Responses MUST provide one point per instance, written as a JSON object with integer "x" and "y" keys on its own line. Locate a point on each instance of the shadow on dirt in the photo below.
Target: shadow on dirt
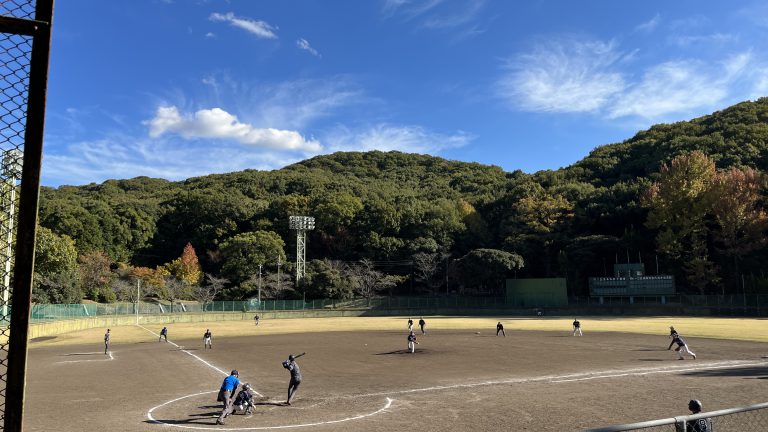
{"x": 754, "y": 372}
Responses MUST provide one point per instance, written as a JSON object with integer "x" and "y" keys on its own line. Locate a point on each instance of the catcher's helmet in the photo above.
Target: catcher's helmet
{"x": 694, "y": 405}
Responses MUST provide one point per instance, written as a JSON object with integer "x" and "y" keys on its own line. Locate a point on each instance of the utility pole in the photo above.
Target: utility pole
{"x": 11, "y": 172}
{"x": 278, "y": 273}
{"x": 138, "y": 298}
{"x": 260, "y": 284}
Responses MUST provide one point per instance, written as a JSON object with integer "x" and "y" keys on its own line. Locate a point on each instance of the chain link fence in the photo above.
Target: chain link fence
{"x": 24, "y": 51}
{"x": 753, "y": 418}
{"x": 15, "y": 61}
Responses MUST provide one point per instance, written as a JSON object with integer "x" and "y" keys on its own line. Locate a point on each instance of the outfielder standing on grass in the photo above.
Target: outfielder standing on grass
{"x": 293, "y": 368}
{"x": 207, "y": 339}
{"x": 226, "y": 391}
{"x": 576, "y": 327}
{"x": 106, "y": 342}
{"x": 682, "y": 347}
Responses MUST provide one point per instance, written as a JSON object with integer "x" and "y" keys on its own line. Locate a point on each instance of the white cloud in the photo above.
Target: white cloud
{"x": 210, "y": 35}
{"x": 709, "y": 39}
{"x": 387, "y": 137}
{"x": 563, "y": 76}
{"x": 304, "y": 44}
{"x": 680, "y": 87}
{"x": 123, "y": 157}
{"x": 296, "y": 104}
{"x": 259, "y": 28}
{"x": 218, "y": 124}
{"x": 458, "y": 15}
{"x": 650, "y": 25}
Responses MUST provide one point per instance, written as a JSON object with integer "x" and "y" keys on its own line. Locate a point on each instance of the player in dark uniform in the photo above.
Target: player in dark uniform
{"x": 295, "y": 382}
{"x": 682, "y": 347}
{"x": 244, "y": 400}
{"x": 422, "y": 323}
{"x": 672, "y": 332}
{"x": 163, "y": 334}
{"x": 698, "y": 425}
{"x": 207, "y": 343}
{"x": 106, "y": 342}
{"x": 412, "y": 341}
{"x": 576, "y": 327}
{"x": 410, "y": 324}
{"x": 256, "y": 319}
{"x": 500, "y": 328}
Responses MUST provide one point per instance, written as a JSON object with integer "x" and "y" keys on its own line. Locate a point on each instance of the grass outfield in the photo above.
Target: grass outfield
{"x": 748, "y": 329}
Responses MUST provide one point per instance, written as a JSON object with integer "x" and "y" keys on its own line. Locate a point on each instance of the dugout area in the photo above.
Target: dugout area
{"x": 462, "y": 376}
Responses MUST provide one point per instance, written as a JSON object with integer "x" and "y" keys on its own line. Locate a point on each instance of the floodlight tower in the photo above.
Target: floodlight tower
{"x": 11, "y": 173}
{"x": 301, "y": 224}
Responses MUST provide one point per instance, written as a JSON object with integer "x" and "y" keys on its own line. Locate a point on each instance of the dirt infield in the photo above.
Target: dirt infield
{"x": 356, "y": 378}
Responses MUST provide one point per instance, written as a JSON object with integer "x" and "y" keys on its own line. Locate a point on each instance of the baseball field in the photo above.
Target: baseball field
{"x": 359, "y": 376}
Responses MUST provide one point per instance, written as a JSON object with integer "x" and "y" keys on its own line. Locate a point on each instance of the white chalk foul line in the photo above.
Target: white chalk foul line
{"x": 83, "y": 361}
{"x": 219, "y": 370}
{"x": 573, "y": 377}
{"x": 327, "y": 422}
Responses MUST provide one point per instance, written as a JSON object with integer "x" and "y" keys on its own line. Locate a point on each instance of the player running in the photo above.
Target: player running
{"x": 207, "y": 339}
{"x": 576, "y": 327}
{"x": 293, "y": 368}
{"x": 422, "y": 323}
{"x": 672, "y": 331}
{"x": 682, "y": 347}
{"x": 163, "y": 334}
{"x": 106, "y": 342}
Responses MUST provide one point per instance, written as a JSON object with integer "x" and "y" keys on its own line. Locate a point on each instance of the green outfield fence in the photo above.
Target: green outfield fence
{"x": 753, "y": 418}
{"x": 746, "y": 305}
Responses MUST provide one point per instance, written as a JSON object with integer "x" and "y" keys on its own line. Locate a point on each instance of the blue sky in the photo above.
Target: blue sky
{"x": 182, "y": 88}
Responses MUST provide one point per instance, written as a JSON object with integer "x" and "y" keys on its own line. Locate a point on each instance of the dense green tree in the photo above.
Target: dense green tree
{"x": 485, "y": 270}
{"x": 679, "y": 203}
{"x": 242, "y": 254}
{"x": 56, "y": 270}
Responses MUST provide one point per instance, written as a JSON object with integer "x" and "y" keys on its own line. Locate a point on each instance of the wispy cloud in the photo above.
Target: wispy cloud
{"x": 563, "y": 75}
{"x": 649, "y": 25}
{"x": 387, "y": 137}
{"x": 218, "y": 124}
{"x": 680, "y": 87}
{"x": 256, "y": 27}
{"x": 304, "y": 45}
{"x": 461, "y": 16}
{"x": 596, "y": 77}
{"x": 709, "y": 39}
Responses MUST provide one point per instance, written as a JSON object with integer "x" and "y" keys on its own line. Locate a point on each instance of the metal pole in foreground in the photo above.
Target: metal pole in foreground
{"x": 29, "y": 194}
{"x": 12, "y": 171}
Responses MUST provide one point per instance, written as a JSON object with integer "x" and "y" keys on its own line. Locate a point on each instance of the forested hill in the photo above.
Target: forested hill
{"x": 389, "y": 206}
{"x": 735, "y": 136}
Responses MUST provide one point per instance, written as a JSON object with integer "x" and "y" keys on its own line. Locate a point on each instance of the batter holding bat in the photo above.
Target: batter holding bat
{"x": 293, "y": 368}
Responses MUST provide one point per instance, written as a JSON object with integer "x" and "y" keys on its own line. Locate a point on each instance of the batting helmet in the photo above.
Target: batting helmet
{"x": 694, "y": 405}
{"x": 291, "y": 357}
